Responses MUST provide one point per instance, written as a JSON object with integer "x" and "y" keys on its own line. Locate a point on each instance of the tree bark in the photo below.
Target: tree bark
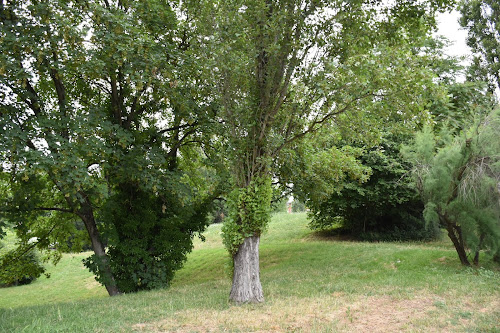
{"x": 479, "y": 246}
{"x": 246, "y": 275}
{"x": 459, "y": 247}
{"x": 87, "y": 217}
{"x": 455, "y": 234}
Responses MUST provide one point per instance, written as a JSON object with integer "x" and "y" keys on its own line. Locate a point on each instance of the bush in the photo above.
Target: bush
{"x": 298, "y": 206}
{"x": 149, "y": 237}
{"x": 279, "y": 206}
{"x": 386, "y": 207}
{"x": 15, "y": 270}
{"x": 78, "y": 239}
{"x": 218, "y": 212}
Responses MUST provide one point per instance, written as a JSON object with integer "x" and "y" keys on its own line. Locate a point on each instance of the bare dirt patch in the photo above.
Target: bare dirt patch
{"x": 336, "y": 312}
{"x": 385, "y": 314}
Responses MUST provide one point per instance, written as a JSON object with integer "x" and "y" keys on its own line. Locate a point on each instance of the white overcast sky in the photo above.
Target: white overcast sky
{"x": 449, "y": 27}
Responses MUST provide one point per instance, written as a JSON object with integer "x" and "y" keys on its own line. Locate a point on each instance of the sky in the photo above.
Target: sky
{"x": 449, "y": 27}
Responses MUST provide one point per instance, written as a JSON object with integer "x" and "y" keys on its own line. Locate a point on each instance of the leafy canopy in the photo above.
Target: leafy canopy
{"x": 482, "y": 20}
{"x": 98, "y": 97}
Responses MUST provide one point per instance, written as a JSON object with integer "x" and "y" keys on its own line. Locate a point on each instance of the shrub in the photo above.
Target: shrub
{"x": 386, "y": 207}
{"x": 149, "y": 237}
{"x": 19, "y": 270}
{"x": 218, "y": 212}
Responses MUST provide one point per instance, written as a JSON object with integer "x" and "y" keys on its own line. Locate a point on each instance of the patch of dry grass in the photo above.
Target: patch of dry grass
{"x": 338, "y": 312}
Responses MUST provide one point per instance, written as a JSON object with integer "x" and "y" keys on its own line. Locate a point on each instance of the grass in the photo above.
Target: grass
{"x": 311, "y": 284}
{"x": 8, "y": 242}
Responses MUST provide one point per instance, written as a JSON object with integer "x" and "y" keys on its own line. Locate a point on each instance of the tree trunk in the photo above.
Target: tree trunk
{"x": 496, "y": 257}
{"x": 455, "y": 234}
{"x": 459, "y": 247}
{"x": 479, "y": 246}
{"x": 246, "y": 275}
{"x": 100, "y": 252}
{"x": 476, "y": 258}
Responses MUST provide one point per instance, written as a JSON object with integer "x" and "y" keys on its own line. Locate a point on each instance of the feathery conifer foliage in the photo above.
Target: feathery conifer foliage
{"x": 460, "y": 185}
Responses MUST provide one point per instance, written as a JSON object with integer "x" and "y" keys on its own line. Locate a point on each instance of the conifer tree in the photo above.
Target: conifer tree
{"x": 459, "y": 183}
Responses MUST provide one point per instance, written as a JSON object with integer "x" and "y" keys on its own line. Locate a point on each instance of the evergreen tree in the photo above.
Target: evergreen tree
{"x": 459, "y": 183}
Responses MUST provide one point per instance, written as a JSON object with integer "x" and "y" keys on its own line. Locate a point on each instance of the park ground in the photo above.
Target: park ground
{"x": 312, "y": 283}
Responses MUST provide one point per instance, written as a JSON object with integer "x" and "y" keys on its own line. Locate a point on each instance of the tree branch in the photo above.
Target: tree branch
{"x": 32, "y": 246}
{"x": 178, "y": 127}
{"x": 133, "y": 108}
{"x": 317, "y": 123}
{"x": 54, "y": 209}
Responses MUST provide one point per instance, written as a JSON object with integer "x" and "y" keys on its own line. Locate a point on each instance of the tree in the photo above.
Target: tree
{"x": 95, "y": 100}
{"x": 285, "y": 68}
{"x": 457, "y": 103}
{"x": 482, "y": 20}
{"x": 382, "y": 204}
{"x": 46, "y": 140}
{"x": 459, "y": 185}
{"x": 4, "y": 190}
{"x": 149, "y": 235}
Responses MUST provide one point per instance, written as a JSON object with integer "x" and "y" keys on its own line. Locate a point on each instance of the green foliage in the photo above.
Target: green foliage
{"x": 317, "y": 171}
{"x": 385, "y": 207}
{"x": 149, "y": 236}
{"x": 29, "y": 207}
{"x": 298, "y": 206}
{"x": 219, "y": 211}
{"x": 459, "y": 185}
{"x": 19, "y": 267}
{"x": 78, "y": 240}
{"x": 482, "y": 20}
{"x": 249, "y": 213}
{"x": 464, "y": 102}
{"x": 287, "y": 68}
{"x": 92, "y": 95}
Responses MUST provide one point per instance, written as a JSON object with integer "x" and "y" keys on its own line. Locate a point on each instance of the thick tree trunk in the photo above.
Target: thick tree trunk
{"x": 99, "y": 250}
{"x": 246, "y": 278}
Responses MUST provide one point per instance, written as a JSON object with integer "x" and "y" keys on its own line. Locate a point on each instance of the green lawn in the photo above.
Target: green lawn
{"x": 311, "y": 284}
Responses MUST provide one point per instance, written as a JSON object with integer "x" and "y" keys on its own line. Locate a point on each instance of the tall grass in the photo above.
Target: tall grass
{"x": 310, "y": 284}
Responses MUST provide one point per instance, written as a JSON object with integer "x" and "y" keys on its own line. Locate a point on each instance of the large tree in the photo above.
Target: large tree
{"x": 285, "y": 68}
{"x": 482, "y": 20}
{"x": 385, "y": 207}
{"x": 95, "y": 102}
